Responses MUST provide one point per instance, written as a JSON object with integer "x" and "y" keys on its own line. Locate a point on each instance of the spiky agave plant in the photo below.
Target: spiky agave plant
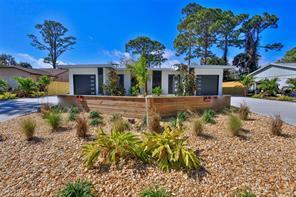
{"x": 170, "y": 150}
{"x": 110, "y": 148}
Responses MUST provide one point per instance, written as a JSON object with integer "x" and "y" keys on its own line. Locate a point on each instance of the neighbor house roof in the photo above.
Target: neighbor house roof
{"x": 290, "y": 66}
{"x": 87, "y": 66}
{"x": 28, "y": 70}
{"x": 54, "y": 72}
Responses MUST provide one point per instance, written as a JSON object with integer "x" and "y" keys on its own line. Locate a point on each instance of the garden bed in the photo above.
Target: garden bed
{"x": 257, "y": 160}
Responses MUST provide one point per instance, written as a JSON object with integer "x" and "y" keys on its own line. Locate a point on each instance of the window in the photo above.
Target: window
{"x": 156, "y": 79}
{"x": 121, "y": 81}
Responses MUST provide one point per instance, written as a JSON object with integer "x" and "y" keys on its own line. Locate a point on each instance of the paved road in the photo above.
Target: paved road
{"x": 287, "y": 110}
{"x": 18, "y": 107}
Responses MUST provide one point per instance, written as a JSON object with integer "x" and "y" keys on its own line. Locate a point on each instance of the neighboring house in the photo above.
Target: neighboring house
{"x": 88, "y": 79}
{"x": 282, "y": 71}
{"x": 8, "y": 73}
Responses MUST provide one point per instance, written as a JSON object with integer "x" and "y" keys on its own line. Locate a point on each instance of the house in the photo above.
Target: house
{"x": 282, "y": 71}
{"x": 88, "y": 79}
{"x": 8, "y": 73}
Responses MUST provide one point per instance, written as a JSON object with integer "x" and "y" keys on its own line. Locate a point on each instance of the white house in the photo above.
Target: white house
{"x": 282, "y": 71}
{"x": 88, "y": 79}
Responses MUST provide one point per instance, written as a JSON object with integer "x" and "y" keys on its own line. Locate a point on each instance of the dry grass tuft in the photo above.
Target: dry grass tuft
{"x": 154, "y": 123}
{"x": 198, "y": 127}
{"x": 81, "y": 126}
{"x": 120, "y": 125}
{"x": 28, "y": 128}
{"x": 244, "y": 111}
{"x": 234, "y": 124}
{"x": 276, "y": 125}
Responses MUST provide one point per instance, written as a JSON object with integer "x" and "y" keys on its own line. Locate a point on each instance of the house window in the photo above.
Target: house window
{"x": 156, "y": 79}
{"x": 121, "y": 81}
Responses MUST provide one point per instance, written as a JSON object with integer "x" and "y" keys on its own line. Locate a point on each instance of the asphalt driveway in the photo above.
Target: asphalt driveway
{"x": 18, "y": 107}
{"x": 287, "y": 110}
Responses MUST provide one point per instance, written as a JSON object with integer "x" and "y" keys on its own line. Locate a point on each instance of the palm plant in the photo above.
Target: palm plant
{"x": 170, "y": 149}
{"x": 112, "y": 147}
{"x": 43, "y": 83}
{"x": 270, "y": 87}
{"x": 26, "y": 86}
{"x": 292, "y": 83}
{"x": 247, "y": 80}
{"x": 3, "y": 85}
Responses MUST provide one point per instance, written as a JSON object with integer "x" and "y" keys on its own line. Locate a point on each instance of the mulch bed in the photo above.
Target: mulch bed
{"x": 257, "y": 160}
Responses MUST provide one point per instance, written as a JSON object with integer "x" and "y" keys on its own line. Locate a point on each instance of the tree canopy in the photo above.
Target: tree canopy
{"x": 7, "y": 60}
{"x": 53, "y": 40}
{"x": 289, "y": 57}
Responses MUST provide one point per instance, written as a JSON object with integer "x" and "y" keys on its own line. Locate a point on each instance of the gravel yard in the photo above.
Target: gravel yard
{"x": 264, "y": 163}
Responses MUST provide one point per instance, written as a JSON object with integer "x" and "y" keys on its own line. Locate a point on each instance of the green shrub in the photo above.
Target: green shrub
{"x": 95, "y": 114}
{"x": 95, "y": 122}
{"x": 120, "y": 125}
{"x": 37, "y": 94}
{"x": 81, "y": 127}
{"x": 258, "y": 96}
{"x": 155, "y": 192}
{"x": 244, "y": 111}
{"x": 115, "y": 117}
{"x": 198, "y": 127}
{"x": 276, "y": 125}
{"x": 245, "y": 193}
{"x": 134, "y": 91}
{"x": 28, "y": 128}
{"x": 45, "y": 110}
{"x": 3, "y": 86}
{"x": 77, "y": 189}
{"x": 169, "y": 149}
{"x": 26, "y": 86}
{"x": 157, "y": 91}
{"x": 208, "y": 116}
{"x": 179, "y": 120}
{"x": 54, "y": 119}
{"x": 73, "y": 113}
{"x": 234, "y": 124}
{"x": 154, "y": 123}
{"x": 285, "y": 98}
{"x": 110, "y": 148}
{"x": 7, "y": 95}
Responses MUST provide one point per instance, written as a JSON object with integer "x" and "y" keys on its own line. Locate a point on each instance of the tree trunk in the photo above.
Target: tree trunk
{"x": 225, "y": 54}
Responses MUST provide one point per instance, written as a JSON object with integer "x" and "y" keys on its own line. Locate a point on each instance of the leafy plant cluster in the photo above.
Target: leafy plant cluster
{"x": 112, "y": 87}
{"x": 119, "y": 124}
{"x": 179, "y": 120}
{"x": 53, "y": 115}
{"x": 155, "y": 192}
{"x": 79, "y": 188}
{"x": 157, "y": 91}
{"x": 208, "y": 116}
{"x": 96, "y": 118}
{"x": 73, "y": 113}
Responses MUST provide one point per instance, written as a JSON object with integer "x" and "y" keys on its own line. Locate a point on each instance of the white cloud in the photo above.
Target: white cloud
{"x": 36, "y": 63}
{"x": 116, "y": 54}
{"x": 171, "y": 58}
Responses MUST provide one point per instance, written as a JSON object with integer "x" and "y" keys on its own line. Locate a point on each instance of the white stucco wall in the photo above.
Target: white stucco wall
{"x": 276, "y": 72}
{"x": 165, "y": 80}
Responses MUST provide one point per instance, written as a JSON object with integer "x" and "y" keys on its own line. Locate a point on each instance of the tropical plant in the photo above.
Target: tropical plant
{"x": 198, "y": 127}
{"x": 234, "y": 124}
{"x": 179, "y": 120}
{"x": 96, "y": 121}
{"x": 154, "y": 123}
{"x": 43, "y": 83}
{"x": 7, "y": 95}
{"x": 270, "y": 87}
{"x": 54, "y": 119}
{"x": 157, "y": 91}
{"x": 73, "y": 112}
{"x": 292, "y": 83}
{"x": 110, "y": 148}
{"x": 26, "y": 86}
{"x": 276, "y": 125}
{"x": 77, "y": 189}
{"x": 37, "y": 94}
{"x": 208, "y": 116}
{"x": 28, "y": 128}
{"x": 53, "y": 41}
{"x": 3, "y": 86}
{"x": 155, "y": 192}
{"x": 247, "y": 80}
{"x": 81, "y": 126}
{"x": 243, "y": 111}
{"x": 170, "y": 150}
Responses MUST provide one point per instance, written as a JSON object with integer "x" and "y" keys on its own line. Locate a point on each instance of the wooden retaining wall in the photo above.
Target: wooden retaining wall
{"x": 135, "y": 107}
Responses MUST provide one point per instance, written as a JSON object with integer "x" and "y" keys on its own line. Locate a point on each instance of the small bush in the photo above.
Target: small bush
{"x": 134, "y": 91}
{"x": 95, "y": 114}
{"x": 95, "y": 122}
{"x": 198, "y": 127}
{"x": 7, "y": 95}
{"x": 208, "y": 116}
{"x": 244, "y": 111}
{"x": 37, "y": 94}
{"x": 285, "y": 98}
{"x": 45, "y": 110}
{"x": 77, "y": 189}
{"x": 81, "y": 126}
{"x": 245, "y": 193}
{"x": 115, "y": 117}
{"x": 155, "y": 192}
{"x": 28, "y": 128}
{"x": 157, "y": 91}
{"x": 54, "y": 119}
{"x": 179, "y": 120}
{"x": 276, "y": 125}
{"x": 154, "y": 123}
{"x": 234, "y": 124}
{"x": 73, "y": 112}
{"x": 120, "y": 125}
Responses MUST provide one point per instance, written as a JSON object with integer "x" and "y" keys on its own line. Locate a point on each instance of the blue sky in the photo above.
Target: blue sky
{"x": 102, "y": 27}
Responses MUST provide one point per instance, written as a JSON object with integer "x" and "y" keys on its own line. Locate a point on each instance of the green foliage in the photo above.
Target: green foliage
{"x": 134, "y": 91}
{"x": 179, "y": 120}
{"x": 112, "y": 87}
{"x": 54, "y": 119}
{"x": 77, "y": 189}
{"x": 151, "y": 50}
{"x": 110, "y": 148}
{"x": 157, "y": 91}
{"x": 234, "y": 124}
{"x": 289, "y": 57}
{"x": 292, "y": 83}
{"x": 95, "y": 114}
{"x": 187, "y": 85}
{"x": 3, "y": 86}
{"x": 37, "y": 94}
{"x": 43, "y": 83}
{"x": 276, "y": 125}
{"x": 244, "y": 111}
{"x": 53, "y": 40}
{"x": 73, "y": 112}
{"x": 7, "y": 60}
{"x": 208, "y": 116}
{"x": 7, "y": 95}
{"x": 96, "y": 121}
{"x": 155, "y": 192}
{"x": 120, "y": 125}
{"x": 285, "y": 98}
{"x": 270, "y": 87}
{"x": 198, "y": 127}
{"x": 28, "y": 127}
{"x": 247, "y": 80}
{"x": 170, "y": 150}
{"x": 245, "y": 193}
{"x": 258, "y": 96}
{"x": 26, "y": 86}
{"x": 115, "y": 117}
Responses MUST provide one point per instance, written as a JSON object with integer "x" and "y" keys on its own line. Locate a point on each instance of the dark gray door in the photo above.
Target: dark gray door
{"x": 84, "y": 84}
{"x": 207, "y": 84}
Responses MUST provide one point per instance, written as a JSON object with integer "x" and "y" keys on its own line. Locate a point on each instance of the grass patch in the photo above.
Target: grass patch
{"x": 28, "y": 128}
{"x": 77, "y": 189}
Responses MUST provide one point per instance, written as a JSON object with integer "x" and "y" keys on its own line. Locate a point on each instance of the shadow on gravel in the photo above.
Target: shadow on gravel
{"x": 245, "y": 130}
{"x": 63, "y": 129}
{"x": 37, "y": 140}
{"x": 198, "y": 174}
{"x": 206, "y": 136}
